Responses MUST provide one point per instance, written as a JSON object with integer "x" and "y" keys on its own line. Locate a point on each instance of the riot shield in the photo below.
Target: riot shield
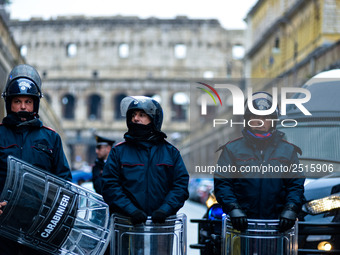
{"x": 168, "y": 238}
{"x": 261, "y": 237}
{"x": 50, "y": 214}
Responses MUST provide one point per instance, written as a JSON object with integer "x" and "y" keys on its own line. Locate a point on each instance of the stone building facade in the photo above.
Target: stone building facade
{"x": 282, "y": 35}
{"x": 89, "y": 64}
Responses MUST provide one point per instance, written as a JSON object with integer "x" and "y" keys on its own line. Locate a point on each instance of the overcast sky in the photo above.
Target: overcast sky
{"x": 230, "y": 13}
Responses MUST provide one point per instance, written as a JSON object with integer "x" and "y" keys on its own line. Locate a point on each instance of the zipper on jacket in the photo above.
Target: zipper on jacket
{"x": 147, "y": 200}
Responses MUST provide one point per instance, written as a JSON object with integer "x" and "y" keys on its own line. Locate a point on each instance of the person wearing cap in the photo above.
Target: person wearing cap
{"x": 252, "y": 195}
{"x": 144, "y": 175}
{"x": 103, "y": 148}
{"x": 23, "y": 135}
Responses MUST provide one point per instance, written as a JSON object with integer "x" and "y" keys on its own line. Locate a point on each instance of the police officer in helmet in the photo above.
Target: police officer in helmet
{"x": 144, "y": 175}
{"x": 253, "y": 195}
{"x": 23, "y": 135}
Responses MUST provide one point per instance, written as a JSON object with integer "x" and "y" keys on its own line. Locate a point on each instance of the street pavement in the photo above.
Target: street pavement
{"x": 192, "y": 210}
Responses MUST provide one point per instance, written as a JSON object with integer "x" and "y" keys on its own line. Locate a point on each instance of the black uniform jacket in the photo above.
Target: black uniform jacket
{"x": 35, "y": 144}
{"x": 261, "y": 195}
{"x": 97, "y": 171}
{"x": 145, "y": 176}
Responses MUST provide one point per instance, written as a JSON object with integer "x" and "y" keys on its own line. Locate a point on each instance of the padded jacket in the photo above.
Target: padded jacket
{"x": 35, "y": 144}
{"x": 145, "y": 176}
{"x": 260, "y": 196}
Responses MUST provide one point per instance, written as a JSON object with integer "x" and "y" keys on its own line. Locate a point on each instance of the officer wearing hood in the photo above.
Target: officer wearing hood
{"x": 253, "y": 195}
{"x": 144, "y": 175}
{"x": 23, "y": 135}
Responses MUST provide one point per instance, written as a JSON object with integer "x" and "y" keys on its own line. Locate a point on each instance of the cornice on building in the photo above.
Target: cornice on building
{"x": 116, "y": 21}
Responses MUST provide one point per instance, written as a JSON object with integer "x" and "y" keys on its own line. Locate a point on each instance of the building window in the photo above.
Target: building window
{"x": 71, "y": 50}
{"x": 238, "y": 51}
{"x": 116, "y": 106}
{"x": 276, "y": 48}
{"x": 208, "y": 75}
{"x": 123, "y": 50}
{"x": 47, "y": 98}
{"x": 229, "y": 69}
{"x": 23, "y": 50}
{"x": 296, "y": 48}
{"x": 94, "y": 110}
{"x": 180, "y": 51}
{"x": 179, "y": 103}
{"x": 68, "y": 104}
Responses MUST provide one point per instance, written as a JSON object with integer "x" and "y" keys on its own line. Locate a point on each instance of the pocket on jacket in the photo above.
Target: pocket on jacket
{"x": 133, "y": 171}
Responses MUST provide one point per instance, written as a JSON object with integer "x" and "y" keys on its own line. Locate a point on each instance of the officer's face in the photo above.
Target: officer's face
{"x": 103, "y": 151}
{"x": 22, "y": 103}
{"x": 140, "y": 117}
{"x": 259, "y": 123}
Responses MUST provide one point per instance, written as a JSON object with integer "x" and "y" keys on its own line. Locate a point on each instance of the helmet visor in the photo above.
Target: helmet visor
{"x": 138, "y": 102}
{"x": 22, "y": 86}
{"x": 262, "y": 101}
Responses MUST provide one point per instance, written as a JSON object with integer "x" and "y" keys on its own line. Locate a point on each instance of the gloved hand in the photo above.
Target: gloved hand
{"x": 2, "y": 205}
{"x": 138, "y": 217}
{"x": 287, "y": 218}
{"x": 238, "y": 219}
{"x": 158, "y": 216}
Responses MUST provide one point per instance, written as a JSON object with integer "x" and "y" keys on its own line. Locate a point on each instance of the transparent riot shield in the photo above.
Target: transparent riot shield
{"x": 261, "y": 238}
{"x": 168, "y": 238}
{"x": 50, "y": 214}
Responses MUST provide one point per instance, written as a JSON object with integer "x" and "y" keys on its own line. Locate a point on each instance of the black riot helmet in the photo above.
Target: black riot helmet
{"x": 261, "y": 101}
{"x": 149, "y": 105}
{"x": 23, "y": 80}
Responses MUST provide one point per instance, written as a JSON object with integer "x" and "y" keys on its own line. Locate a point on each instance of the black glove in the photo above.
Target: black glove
{"x": 138, "y": 217}
{"x": 287, "y": 218}
{"x": 238, "y": 219}
{"x": 158, "y": 216}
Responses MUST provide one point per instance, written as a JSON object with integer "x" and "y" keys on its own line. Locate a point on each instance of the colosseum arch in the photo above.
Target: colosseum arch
{"x": 68, "y": 106}
{"x": 116, "y": 106}
{"x": 179, "y": 106}
{"x": 94, "y": 107}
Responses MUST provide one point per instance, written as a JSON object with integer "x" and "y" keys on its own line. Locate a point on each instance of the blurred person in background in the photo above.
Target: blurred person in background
{"x": 103, "y": 148}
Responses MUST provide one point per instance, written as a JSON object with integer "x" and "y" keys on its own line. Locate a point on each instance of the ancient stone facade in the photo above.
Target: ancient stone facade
{"x": 89, "y": 64}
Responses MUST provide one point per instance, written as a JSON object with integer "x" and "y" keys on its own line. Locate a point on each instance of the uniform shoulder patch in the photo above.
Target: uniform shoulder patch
{"x": 167, "y": 142}
{"x": 49, "y": 129}
{"x": 297, "y": 148}
{"x": 119, "y": 143}
{"x": 221, "y": 147}
{"x": 239, "y": 138}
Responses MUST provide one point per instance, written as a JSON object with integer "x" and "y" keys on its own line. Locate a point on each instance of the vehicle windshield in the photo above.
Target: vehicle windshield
{"x": 318, "y": 142}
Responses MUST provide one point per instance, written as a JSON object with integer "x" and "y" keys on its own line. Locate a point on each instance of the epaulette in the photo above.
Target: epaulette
{"x": 297, "y": 148}
{"x": 49, "y": 129}
{"x": 221, "y": 147}
{"x": 119, "y": 143}
{"x": 166, "y": 141}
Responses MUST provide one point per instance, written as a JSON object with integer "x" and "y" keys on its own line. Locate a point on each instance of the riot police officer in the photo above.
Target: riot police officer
{"x": 23, "y": 135}
{"x": 144, "y": 175}
{"x": 103, "y": 148}
{"x": 253, "y": 195}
